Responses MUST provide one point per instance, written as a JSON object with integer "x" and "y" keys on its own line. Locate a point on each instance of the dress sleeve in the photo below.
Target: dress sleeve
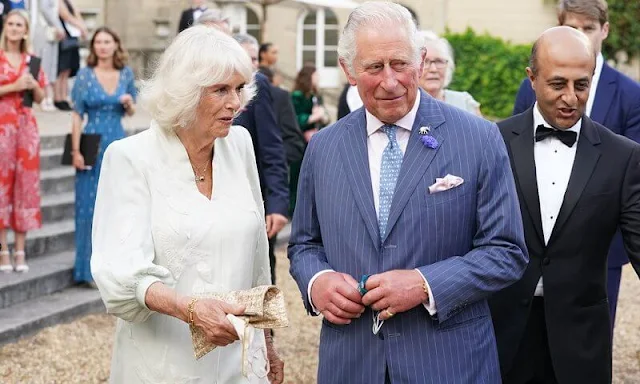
{"x": 131, "y": 83}
{"x": 261, "y": 267}
{"x": 123, "y": 256}
{"x": 472, "y": 103}
{"x": 79, "y": 92}
{"x": 42, "y": 79}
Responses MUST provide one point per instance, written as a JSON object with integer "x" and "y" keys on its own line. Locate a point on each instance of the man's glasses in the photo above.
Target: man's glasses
{"x": 439, "y": 63}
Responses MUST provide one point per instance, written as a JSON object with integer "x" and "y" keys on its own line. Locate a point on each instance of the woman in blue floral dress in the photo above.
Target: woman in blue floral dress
{"x": 104, "y": 91}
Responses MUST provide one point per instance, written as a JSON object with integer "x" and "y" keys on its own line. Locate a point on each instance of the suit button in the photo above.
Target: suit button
{"x": 525, "y": 302}
{"x": 546, "y": 261}
{"x": 380, "y": 335}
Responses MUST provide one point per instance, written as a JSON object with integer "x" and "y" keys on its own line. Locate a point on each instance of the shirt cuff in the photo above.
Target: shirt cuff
{"x": 141, "y": 289}
{"x": 313, "y": 279}
{"x": 430, "y": 305}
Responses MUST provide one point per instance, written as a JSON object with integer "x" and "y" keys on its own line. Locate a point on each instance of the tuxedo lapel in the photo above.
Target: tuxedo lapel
{"x": 521, "y": 146}
{"x": 606, "y": 88}
{"x": 356, "y": 161}
{"x": 587, "y": 155}
{"x": 417, "y": 157}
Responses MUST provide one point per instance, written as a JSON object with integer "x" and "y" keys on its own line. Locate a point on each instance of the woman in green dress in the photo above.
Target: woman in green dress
{"x": 312, "y": 116}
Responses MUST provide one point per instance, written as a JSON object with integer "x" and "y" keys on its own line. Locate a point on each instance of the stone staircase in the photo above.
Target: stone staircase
{"x": 47, "y": 295}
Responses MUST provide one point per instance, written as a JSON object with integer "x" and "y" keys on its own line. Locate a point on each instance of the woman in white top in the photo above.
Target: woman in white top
{"x": 438, "y": 73}
{"x": 179, "y": 213}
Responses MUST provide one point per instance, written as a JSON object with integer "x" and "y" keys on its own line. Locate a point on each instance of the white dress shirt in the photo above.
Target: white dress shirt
{"x": 353, "y": 98}
{"x": 554, "y": 161}
{"x": 377, "y": 141}
{"x": 594, "y": 83}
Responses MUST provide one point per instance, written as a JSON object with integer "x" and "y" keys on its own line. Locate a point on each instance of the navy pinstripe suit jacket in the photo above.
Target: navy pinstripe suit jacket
{"x": 467, "y": 241}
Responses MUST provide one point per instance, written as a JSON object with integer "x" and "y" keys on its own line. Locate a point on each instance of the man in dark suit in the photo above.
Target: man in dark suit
{"x": 553, "y": 326}
{"x": 191, "y": 14}
{"x": 614, "y": 101}
{"x": 292, "y": 137}
{"x": 260, "y": 120}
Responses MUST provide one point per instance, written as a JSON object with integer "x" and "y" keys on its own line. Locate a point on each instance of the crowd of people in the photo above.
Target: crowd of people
{"x": 437, "y": 245}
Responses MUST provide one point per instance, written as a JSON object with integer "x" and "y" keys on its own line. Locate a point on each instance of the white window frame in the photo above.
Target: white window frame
{"x": 329, "y": 77}
{"x": 250, "y": 28}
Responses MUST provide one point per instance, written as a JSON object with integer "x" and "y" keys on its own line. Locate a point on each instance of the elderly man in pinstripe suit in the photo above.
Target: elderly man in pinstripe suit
{"x": 416, "y": 195}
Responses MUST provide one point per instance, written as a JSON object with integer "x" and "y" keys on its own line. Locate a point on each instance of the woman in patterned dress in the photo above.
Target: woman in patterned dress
{"x": 104, "y": 91}
{"x": 19, "y": 141}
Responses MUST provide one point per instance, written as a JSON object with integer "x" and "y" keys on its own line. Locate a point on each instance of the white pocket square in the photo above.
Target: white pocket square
{"x": 445, "y": 183}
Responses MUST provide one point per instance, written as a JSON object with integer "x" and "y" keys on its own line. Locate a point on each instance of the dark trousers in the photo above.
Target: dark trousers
{"x": 532, "y": 364}
{"x": 272, "y": 258}
{"x": 613, "y": 288}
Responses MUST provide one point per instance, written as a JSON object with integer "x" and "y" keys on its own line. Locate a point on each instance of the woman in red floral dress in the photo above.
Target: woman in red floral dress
{"x": 19, "y": 141}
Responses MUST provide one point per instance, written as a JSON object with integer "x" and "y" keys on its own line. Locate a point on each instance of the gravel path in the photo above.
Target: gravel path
{"x": 80, "y": 352}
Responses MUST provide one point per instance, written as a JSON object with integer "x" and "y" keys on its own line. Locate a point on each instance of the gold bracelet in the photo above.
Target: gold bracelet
{"x": 190, "y": 308}
{"x": 426, "y": 290}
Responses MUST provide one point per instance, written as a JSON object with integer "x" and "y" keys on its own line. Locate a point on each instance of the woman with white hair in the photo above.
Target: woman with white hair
{"x": 438, "y": 73}
{"x": 179, "y": 214}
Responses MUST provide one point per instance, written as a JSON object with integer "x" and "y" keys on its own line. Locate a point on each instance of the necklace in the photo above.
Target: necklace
{"x": 200, "y": 178}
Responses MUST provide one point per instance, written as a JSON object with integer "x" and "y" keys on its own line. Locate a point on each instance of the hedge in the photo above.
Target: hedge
{"x": 490, "y": 69}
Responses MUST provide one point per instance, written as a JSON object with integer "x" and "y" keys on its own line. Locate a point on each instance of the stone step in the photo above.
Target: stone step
{"x": 58, "y": 207}
{"x": 50, "y": 158}
{"x": 50, "y": 239}
{"x": 57, "y": 180}
{"x": 28, "y": 317}
{"x": 54, "y": 141}
{"x": 47, "y": 275}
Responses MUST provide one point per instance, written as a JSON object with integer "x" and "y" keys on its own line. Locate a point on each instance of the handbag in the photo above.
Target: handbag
{"x": 264, "y": 309}
{"x": 89, "y": 148}
{"x": 69, "y": 42}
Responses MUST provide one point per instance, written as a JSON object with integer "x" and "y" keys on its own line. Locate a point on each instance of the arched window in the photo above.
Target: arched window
{"x": 318, "y": 44}
{"x": 253, "y": 23}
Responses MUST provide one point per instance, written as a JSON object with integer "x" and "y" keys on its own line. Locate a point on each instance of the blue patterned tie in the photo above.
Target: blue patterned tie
{"x": 389, "y": 170}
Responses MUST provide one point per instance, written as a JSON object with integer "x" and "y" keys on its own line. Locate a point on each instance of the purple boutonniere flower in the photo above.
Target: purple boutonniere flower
{"x": 426, "y": 139}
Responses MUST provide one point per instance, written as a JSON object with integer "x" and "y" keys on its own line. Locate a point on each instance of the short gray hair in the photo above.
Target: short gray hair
{"x": 430, "y": 39}
{"x": 211, "y": 16}
{"x": 246, "y": 39}
{"x": 376, "y": 14}
{"x": 189, "y": 65}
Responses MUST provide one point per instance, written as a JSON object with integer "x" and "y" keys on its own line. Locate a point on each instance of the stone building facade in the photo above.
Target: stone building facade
{"x": 308, "y": 33}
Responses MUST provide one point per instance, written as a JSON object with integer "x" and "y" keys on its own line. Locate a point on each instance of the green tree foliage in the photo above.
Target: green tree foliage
{"x": 490, "y": 69}
{"x": 624, "y": 32}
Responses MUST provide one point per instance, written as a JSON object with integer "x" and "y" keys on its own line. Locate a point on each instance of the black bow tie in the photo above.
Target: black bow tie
{"x": 568, "y": 138}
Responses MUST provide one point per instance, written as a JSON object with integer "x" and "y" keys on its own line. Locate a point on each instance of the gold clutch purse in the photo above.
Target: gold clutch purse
{"x": 264, "y": 309}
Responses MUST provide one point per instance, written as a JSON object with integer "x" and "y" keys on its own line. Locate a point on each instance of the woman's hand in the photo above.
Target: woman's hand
{"x": 126, "y": 100}
{"x": 26, "y": 81}
{"x": 210, "y": 315}
{"x": 276, "y": 364}
{"x": 78, "y": 161}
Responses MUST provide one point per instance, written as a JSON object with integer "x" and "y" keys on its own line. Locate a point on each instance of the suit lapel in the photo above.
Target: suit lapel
{"x": 417, "y": 157}
{"x": 355, "y": 154}
{"x": 587, "y": 155}
{"x": 606, "y": 88}
{"x": 521, "y": 146}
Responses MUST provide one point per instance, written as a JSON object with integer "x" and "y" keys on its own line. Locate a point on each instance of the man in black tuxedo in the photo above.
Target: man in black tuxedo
{"x": 614, "y": 101}
{"x": 191, "y": 14}
{"x": 577, "y": 183}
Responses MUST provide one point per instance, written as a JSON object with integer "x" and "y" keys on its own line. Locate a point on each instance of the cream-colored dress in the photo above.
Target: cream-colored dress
{"x": 152, "y": 224}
